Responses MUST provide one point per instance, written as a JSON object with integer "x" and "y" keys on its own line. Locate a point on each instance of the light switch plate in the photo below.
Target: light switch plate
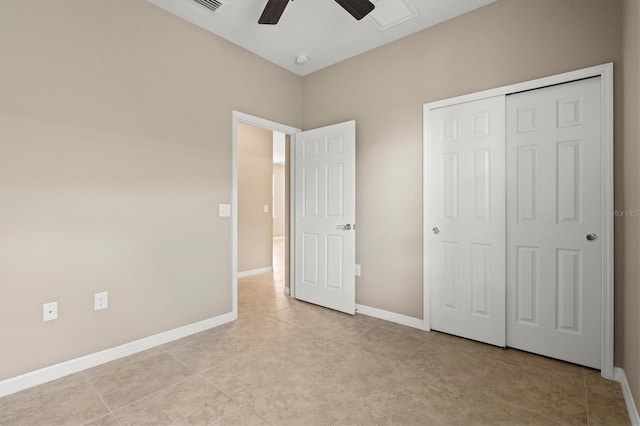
{"x": 357, "y": 269}
{"x": 224, "y": 210}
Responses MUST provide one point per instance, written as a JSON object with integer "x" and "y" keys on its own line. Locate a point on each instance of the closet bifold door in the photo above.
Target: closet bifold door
{"x": 554, "y": 215}
{"x": 466, "y": 226}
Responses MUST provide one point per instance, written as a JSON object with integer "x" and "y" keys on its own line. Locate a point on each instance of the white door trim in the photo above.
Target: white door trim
{"x": 240, "y": 117}
{"x": 605, "y": 72}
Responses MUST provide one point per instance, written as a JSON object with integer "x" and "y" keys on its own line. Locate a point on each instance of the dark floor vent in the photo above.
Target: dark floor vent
{"x": 212, "y": 5}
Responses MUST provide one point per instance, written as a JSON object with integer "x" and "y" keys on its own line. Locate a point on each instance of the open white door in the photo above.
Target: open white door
{"x": 325, "y": 211}
{"x": 466, "y": 215}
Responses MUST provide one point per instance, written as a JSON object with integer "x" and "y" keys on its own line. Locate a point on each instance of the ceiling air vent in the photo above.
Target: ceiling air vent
{"x": 212, "y": 5}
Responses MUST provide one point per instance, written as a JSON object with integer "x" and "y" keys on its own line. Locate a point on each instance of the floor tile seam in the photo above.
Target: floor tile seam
{"x": 396, "y": 361}
{"x": 287, "y": 364}
{"x": 229, "y": 333}
{"x": 115, "y": 411}
{"x": 416, "y": 351}
{"x": 297, "y": 326}
{"x": 88, "y": 381}
{"x": 242, "y": 404}
{"x": 313, "y": 333}
{"x": 192, "y": 339}
{"x": 178, "y": 359}
{"x": 549, "y": 416}
{"x": 201, "y": 372}
{"x": 40, "y": 393}
{"x": 531, "y": 410}
{"x": 209, "y": 367}
{"x": 539, "y": 372}
{"x": 357, "y": 334}
{"x": 323, "y": 337}
{"x": 124, "y": 361}
{"x": 586, "y": 396}
{"x": 282, "y": 309}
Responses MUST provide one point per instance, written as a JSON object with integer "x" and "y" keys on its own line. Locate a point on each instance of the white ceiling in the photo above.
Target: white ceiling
{"x": 320, "y": 29}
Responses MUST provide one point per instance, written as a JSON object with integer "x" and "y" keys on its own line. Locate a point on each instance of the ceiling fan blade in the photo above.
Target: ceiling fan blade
{"x": 357, "y": 8}
{"x": 272, "y": 12}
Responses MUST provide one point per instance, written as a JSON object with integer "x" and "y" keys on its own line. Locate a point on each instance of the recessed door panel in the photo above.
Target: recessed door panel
{"x": 311, "y": 259}
{"x": 480, "y": 278}
{"x": 450, "y": 282}
{"x": 568, "y": 181}
{"x": 310, "y": 194}
{"x": 527, "y": 117}
{"x": 568, "y": 287}
{"x": 334, "y": 262}
{"x": 526, "y": 178}
{"x": 450, "y": 185}
{"x": 335, "y": 191}
{"x": 481, "y": 184}
{"x": 526, "y": 285}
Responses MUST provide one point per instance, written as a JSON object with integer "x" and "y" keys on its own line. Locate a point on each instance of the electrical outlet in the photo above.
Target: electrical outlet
{"x": 266, "y": 208}
{"x": 357, "y": 269}
{"x": 101, "y": 301}
{"x": 224, "y": 210}
{"x": 50, "y": 311}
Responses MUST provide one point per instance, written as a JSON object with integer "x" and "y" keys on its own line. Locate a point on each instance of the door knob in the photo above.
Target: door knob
{"x": 346, "y": 227}
{"x": 592, "y": 237}
{"x": 435, "y": 230}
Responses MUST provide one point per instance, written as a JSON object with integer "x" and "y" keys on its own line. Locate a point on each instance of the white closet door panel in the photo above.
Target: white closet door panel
{"x": 467, "y": 214}
{"x": 553, "y": 202}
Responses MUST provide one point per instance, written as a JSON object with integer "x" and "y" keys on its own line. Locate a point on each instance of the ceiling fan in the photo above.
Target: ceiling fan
{"x": 274, "y": 9}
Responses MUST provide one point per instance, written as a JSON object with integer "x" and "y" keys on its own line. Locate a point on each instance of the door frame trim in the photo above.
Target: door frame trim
{"x": 237, "y": 118}
{"x": 605, "y": 72}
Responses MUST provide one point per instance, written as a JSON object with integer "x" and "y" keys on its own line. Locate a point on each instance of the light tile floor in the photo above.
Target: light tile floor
{"x": 288, "y": 362}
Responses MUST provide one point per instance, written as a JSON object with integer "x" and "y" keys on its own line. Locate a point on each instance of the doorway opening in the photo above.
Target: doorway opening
{"x": 253, "y": 201}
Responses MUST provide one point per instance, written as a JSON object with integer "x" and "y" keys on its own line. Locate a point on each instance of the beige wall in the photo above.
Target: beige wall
{"x": 115, "y": 151}
{"x": 628, "y": 198}
{"x": 278, "y": 200}
{"x": 255, "y": 171}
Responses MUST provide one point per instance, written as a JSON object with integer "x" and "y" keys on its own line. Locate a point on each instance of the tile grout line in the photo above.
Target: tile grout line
{"x": 150, "y": 395}
{"x": 586, "y": 396}
{"x": 313, "y": 332}
{"x": 178, "y": 359}
{"x": 88, "y": 380}
{"x": 232, "y": 398}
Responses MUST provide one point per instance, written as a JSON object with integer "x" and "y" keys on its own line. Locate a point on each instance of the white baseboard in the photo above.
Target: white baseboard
{"x": 56, "y": 371}
{"x": 619, "y": 376}
{"x": 390, "y": 316}
{"x": 255, "y": 272}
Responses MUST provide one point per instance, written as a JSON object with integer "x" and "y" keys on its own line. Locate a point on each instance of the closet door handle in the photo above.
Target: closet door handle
{"x": 436, "y": 230}
{"x": 592, "y": 237}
